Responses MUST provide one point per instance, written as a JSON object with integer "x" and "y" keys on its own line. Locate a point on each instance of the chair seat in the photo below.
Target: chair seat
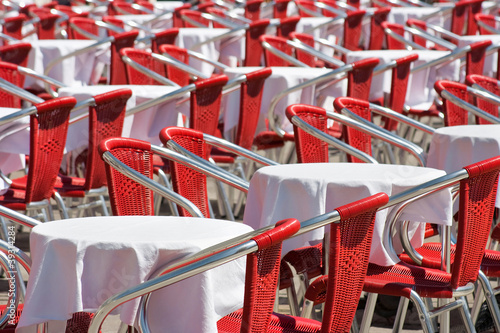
{"x": 402, "y": 278}
{"x": 14, "y": 199}
{"x": 70, "y": 186}
{"x": 278, "y": 323}
{"x": 270, "y": 139}
{"x": 431, "y": 252}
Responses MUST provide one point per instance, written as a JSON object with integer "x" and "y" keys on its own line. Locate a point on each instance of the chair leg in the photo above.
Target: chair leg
{"x": 490, "y": 300}
{"x": 423, "y": 314}
{"x": 469, "y": 325}
{"x": 400, "y": 314}
{"x": 371, "y": 301}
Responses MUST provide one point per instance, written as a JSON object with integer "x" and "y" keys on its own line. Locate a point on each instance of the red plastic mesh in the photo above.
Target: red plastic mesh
{"x": 253, "y": 48}
{"x": 280, "y": 44}
{"x": 9, "y": 72}
{"x": 145, "y": 59}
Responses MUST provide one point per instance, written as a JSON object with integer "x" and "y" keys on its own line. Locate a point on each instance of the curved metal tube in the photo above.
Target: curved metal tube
{"x": 8, "y": 38}
{"x": 488, "y": 28}
{"x": 146, "y": 71}
{"x": 386, "y": 112}
{"x": 171, "y": 95}
{"x": 339, "y": 144}
{"x": 367, "y": 127}
{"x": 18, "y": 217}
{"x": 456, "y": 53}
{"x": 47, "y": 80}
{"x": 12, "y": 89}
{"x": 201, "y": 57}
{"x": 469, "y": 107}
{"x": 283, "y": 55}
{"x": 306, "y": 48}
{"x": 169, "y": 60}
{"x": 18, "y": 115}
{"x": 403, "y": 40}
{"x": 124, "y": 169}
{"x": 482, "y": 93}
{"x": 181, "y": 155}
{"x": 436, "y": 40}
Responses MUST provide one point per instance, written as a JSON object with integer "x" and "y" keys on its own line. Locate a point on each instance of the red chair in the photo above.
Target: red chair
{"x": 127, "y": 8}
{"x": 376, "y": 28}
{"x": 117, "y": 68}
{"x": 287, "y": 26}
{"x": 275, "y": 43}
{"x": 353, "y": 29}
{"x": 84, "y": 23}
{"x": 253, "y": 48}
{"x": 252, "y": 9}
{"x": 115, "y": 22}
{"x": 489, "y": 84}
{"x": 10, "y": 73}
{"x": 143, "y": 58}
{"x": 166, "y": 36}
{"x": 48, "y": 131}
{"x": 175, "y": 74}
{"x": 486, "y": 24}
{"x": 106, "y": 117}
{"x": 194, "y": 19}
{"x": 176, "y": 15}
{"x": 280, "y": 9}
{"x": 349, "y": 251}
{"x": 47, "y": 24}
{"x": 13, "y": 26}
{"x": 307, "y": 8}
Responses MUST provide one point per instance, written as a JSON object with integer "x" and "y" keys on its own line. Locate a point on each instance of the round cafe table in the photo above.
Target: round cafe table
{"x": 79, "y": 263}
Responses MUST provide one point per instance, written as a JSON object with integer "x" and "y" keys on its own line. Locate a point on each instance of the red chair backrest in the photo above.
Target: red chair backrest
{"x": 179, "y": 76}
{"x": 115, "y": 21}
{"x": 252, "y": 9}
{"x": 9, "y": 72}
{"x": 46, "y": 28}
{"x": 195, "y": 16}
{"x": 302, "y": 56}
{"x": 474, "y": 63}
{"x": 489, "y": 84}
{"x": 287, "y": 25}
{"x": 392, "y": 43}
{"x": 352, "y": 29}
{"x": 486, "y": 19}
{"x": 166, "y": 36}
{"x": 253, "y": 48}
{"x": 376, "y": 28}
{"x": 117, "y": 67}
{"x": 16, "y": 53}
{"x": 360, "y": 78}
{"x": 279, "y": 43}
{"x": 177, "y": 20}
{"x": 453, "y": 114}
{"x": 145, "y": 59}
{"x": 280, "y": 8}
{"x": 48, "y": 132}
{"x": 13, "y": 26}
{"x": 83, "y": 23}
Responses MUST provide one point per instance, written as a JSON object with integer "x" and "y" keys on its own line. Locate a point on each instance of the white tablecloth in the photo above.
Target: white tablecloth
{"x": 81, "y": 70}
{"x": 14, "y": 142}
{"x": 145, "y": 125}
{"x": 401, "y": 14}
{"x": 79, "y": 263}
{"x": 454, "y": 147}
{"x": 420, "y": 93}
{"x": 281, "y": 79}
{"x": 304, "y": 191}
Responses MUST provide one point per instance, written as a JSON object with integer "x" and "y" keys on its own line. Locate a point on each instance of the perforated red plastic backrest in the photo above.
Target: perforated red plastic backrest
{"x": 145, "y": 59}
{"x": 458, "y": 16}
{"x": 352, "y": 136}
{"x": 117, "y": 67}
{"x": 105, "y": 121}
{"x": 287, "y": 25}
{"x": 393, "y": 43}
{"x": 126, "y": 196}
{"x": 250, "y": 102}
{"x": 179, "y": 76}
{"x": 376, "y": 29}
{"x": 352, "y": 29}
{"x": 302, "y": 56}
{"x": 48, "y": 131}
{"x": 115, "y": 21}
{"x": 327, "y": 13}
{"x": 489, "y": 84}
{"x": 475, "y": 7}
{"x": 360, "y": 78}
{"x": 399, "y": 86}
{"x": 253, "y": 48}
{"x": 261, "y": 277}
{"x": 280, "y": 8}
{"x": 46, "y": 28}
{"x": 9, "y": 72}
{"x": 486, "y": 19}
{"x": 476, "y": 206}
{"x": 166, "y": 36}
{"x": 308, "y": 5}
{"x": 83, "y": 23}
{"x": 13, "y": 26}
{"x": 205, "y": 104}
{"x": 177, "y": 20}
{"x": 217, "y": 12}
{"x": 15, "y": 53}
{"x": 475, "y": 57}
{"x": 280, "y": 44}
{"x": 187, "y": 182}
{"x": 420, "y": 25}
{"x": 309, "y": 149}
{"x": 252, "y": 9}
{"x": 350, "y": 243}
{"x": 194, "y": 16}
{"x": 453, "y": 114}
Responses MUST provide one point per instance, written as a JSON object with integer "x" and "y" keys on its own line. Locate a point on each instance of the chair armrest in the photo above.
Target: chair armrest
{"x": 469, "y": 107}
{"x": 146, "y": 71}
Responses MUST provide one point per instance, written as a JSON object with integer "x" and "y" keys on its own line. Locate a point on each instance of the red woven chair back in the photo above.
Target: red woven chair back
{"x": 217, "y": 12}
{"x": 145, "y": 59}
{"x": 253, "y": 48}
{"x": 353, "y": 29}
{"x": 205, "y": 104}
{"x": 399, "y": 86}
{"x": 376, "y": 29}
{"x": 195, "y": 16}
{"x": 304, "y": 5}
{"x": 179, "y": 76}
{"x": 126, "y": 196}
{"x": 453, "y": 114}
{"x": 125, "y": 8}
{"x": 421, "y": 25}
{"x": 105, "y": 121}
{"x": 392, "y": 43}
{"x": 489, "y": 84}
{"x": 486, "y": 19}
{"x": 351, "y": 136}
{"x": 250, "y": 102}
{"x": 166, "y": 36}
{"x": 252, "y": 9}
{"x": 10, "y": 73}
{"x": 280, "y": 44}
{"x": 309, "y": 149}
{"x": 177, "y": 20}
{"x": 302, "y": 56}
{"x": 48, "y": 132}
{"x": 287, "y": 25}
{"x": 359, "y": 79}
{"x": 477, "y": 197}
{"x": 475, "y": 7}
{"x": 475, "y": 57}
{"x": 280, "y": 9}
{"x": 350, "y": 243}
{"x": 458, "y": 17}
{"x": 117, "y": 67}
{"x": 15, "y": 53}
{"x": 84, "y": 23}
{"x": 187, "y": 182}
{"x": 46, "y": 28}
{"x": 325, "y": 12}
{"x": 13, "y": 26}
{"x": 115, "y": 21}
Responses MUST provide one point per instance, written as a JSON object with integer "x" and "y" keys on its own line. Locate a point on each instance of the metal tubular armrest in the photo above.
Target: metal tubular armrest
{"x": 167, "y": 59}
{"x": 12, "y": 89}
{"x": 221, "y": 143}
{"x": 13, "y": 297}
{"x": 109, "y": 26}
{"x": 306, "y": 48}
{"x": 283, "y": 55}
{"x": 174, "y": 94}
{"x": 81, "y": 105}
{"x": 331, "y": 77}
{"x": 324, "y": 24}
{"x": 19, "y": 255}
{"x": 436, "y": 40}
{"x": 469, "y": 107}
{"x": 334, "y": 46}
{"x": 454, "y": 54}
{"x": 181, "y": 155}
{"x": 409, "y": 44}
{"x": 352, "y": 120}
{"x": 146, "y": 71}
{"x": 18, "y": 115}
{"x": 201, "y": 57}
{"x": 8, "y": 38}
{"x": 47, "y": 80}
{"x": 443, "y": 31}
{"x": 339, "y": 144}
{"x": 386, "y": 112}
{"x": 483, "y": 93}
{"x": 221, "y": 20}
{"x": 488, "y": 27}
{"x": 18, "y": 217}
{"x": 150, "y": 184}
